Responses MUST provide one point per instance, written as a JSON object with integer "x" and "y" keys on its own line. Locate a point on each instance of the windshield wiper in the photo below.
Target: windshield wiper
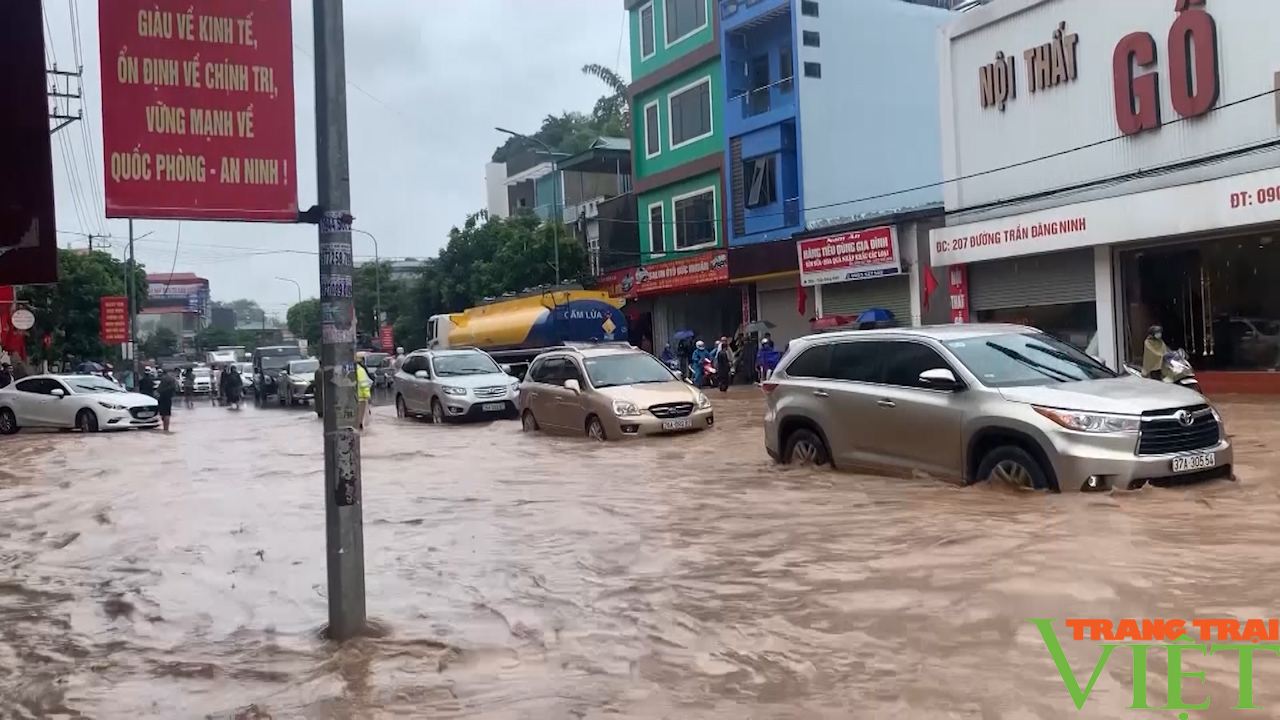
{"x": 1091, "y": 364}
{"x": 1041, "y": 368}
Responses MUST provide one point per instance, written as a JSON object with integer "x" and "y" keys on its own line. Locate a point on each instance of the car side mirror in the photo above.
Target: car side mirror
{"x": 573, "y": 385}
{"x": 940, "y": 379}
{"x": 506, "y": 369}
{"x": 679, "y": 375}
{"x": 58, "y": 393}
{"x": 422, "y": 375}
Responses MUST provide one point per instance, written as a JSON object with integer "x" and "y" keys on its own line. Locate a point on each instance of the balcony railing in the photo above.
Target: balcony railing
{"x": 763, "y": 99}
{"x": 729, "y": 8}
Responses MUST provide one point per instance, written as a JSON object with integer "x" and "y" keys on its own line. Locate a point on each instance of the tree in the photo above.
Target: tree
{"x": 303, "y": 320}
{"x": 69, "y": 311}
{"x": 613, "y": 108}
{"x": 569, "y": 133}
{"x": 162, "y": 342}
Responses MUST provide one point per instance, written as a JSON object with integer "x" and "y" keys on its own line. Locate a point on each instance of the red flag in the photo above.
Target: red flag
{"x": 802, "y": 298}
{"x": 930, "y": 285}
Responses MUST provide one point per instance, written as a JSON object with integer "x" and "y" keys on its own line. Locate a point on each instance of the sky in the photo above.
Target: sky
{"x": 428, "y": 80}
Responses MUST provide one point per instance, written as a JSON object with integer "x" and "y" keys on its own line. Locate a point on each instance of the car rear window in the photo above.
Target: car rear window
{"x": 813, "y": 362}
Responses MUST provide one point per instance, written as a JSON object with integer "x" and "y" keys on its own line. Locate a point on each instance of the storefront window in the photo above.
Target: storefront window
{"x": 1217, "y": 299}
{"x": 1075, "y": 323}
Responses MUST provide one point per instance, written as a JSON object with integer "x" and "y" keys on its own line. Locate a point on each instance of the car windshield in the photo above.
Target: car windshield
{"x": 468, "y": 364}
{"x": 626, "y": 369}
{"x": 302, "y": 367}
{"x": 1017, "y": 359}
{"x": 274, "y": 364}
{"x": 373, "y": 360}
{"x": 81, "y": 385}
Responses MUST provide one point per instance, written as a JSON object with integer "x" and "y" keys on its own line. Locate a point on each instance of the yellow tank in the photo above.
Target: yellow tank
{"x": 538, "y": 321}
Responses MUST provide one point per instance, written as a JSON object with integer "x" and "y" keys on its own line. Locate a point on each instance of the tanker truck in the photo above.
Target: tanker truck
{"x": 514, "y": 330}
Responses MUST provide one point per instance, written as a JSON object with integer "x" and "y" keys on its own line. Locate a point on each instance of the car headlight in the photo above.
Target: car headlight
{"x": 625, "y": 408}
{"x": 110, "y": 406}
{"x": 1092, "y": 422}
{"x": 1222, "y": 424}
{"x": 454, "y": 391}
{"x": 703, "y": 401}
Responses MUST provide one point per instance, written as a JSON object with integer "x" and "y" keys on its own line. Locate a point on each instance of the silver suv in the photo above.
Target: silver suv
{"x": 454, "y": 385}
{"x": 972, "y": 402}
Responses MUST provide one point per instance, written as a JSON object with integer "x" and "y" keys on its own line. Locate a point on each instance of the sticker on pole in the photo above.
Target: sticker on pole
{"x": 334, "y": 221}
{"x": 347, "y": 491}
{"x": 198, "y": 109}
{"x": 23, "y": 319}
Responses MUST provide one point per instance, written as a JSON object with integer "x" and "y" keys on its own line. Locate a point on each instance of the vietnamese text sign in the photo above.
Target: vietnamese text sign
{"x": 694, "y": 271}
{"x": 849, "y": 256}
{"x": 388, "y": 337}
{"x": 1235, "y": 201}
{"x": 197, "y": 109}
{"x": 113, "y": 319}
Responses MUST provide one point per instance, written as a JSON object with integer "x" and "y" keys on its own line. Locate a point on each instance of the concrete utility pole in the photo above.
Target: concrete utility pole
{"x": 344, "y": 524}
{"x": 131, "y": 291}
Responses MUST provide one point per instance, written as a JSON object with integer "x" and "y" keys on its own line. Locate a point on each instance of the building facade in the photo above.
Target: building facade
{"x": 824, "y": 143}
{"x": 1117, "y": 168}
{"x": 179, "y": 302}
{"x": 680, "y": 282}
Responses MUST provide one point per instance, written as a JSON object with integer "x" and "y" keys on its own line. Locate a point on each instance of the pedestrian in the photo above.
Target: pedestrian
{"x": 723, "y": 362}
{"x": 235, "y": 385}
{"x": 129, "y": 381}
{"x": 168, "y": 388}
{"x": 147, "y": 384}
{"x": 399, "y": 361}
{"x": 189, "y": 387}
{"x": 364, "y": 388}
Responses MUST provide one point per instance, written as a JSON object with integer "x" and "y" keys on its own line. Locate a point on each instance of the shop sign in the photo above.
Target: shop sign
{"x": 388, "y": 337}
{"x": 197, "y": 109}
{"x": 958, "y": 290}
{"x": 1194, "y": 76}
{"x": 1236, "y": 201}
{"x": 1047, "y": 66}
{"x": 113, "y": 319}
{"x": 849, "y": 256}
{"x": 619, "y": 283}
{"x": 695, "y": 271}
{"x": 167, "y": 291}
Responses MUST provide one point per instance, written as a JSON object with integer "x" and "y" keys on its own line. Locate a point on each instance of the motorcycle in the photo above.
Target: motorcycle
{"x": 708, "y": 372}
{"x": 1174, "y": 368}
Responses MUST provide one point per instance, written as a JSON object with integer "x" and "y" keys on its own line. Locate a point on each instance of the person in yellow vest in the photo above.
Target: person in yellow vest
{"x": 364, "y": 389}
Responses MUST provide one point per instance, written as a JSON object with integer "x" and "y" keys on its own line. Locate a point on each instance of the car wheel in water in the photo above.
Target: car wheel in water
{"x": 437, "y": 412}
{"x": 1015, "y": 466}
{"x": 8, "y": 422}
{"x": 806, "y": 447}
{"x": 595, "y": 429}
{"x": 86, "y": 421}
{"x": 528, "y": 422}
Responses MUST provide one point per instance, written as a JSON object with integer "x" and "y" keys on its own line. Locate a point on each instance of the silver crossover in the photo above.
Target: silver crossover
{"x": 972, "y": 402}
{"x": 454, "y": 385}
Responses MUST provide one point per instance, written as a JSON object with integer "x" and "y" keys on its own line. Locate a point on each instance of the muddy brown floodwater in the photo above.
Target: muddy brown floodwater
{"x": 521, "y": 576}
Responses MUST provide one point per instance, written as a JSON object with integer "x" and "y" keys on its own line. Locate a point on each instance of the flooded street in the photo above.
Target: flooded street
{"x": 522, "y": 576}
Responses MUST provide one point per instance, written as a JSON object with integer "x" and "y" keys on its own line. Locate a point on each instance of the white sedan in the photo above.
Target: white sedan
{"x": 84, "y": 402}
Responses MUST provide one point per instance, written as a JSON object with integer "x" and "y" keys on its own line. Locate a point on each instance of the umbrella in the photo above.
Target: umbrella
{"x": 875, "y": 315}
{"x": 757, "y": 326}
{"x": 684, "y": 335}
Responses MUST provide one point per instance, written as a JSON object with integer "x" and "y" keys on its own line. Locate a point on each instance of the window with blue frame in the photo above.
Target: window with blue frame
{"x": 759, "y": 78}
{"x": 761, "y": 174}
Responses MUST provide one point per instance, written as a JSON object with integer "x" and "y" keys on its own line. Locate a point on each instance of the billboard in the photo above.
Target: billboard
{"x": 113, "y": 319}
{"x": 853, "y": 255}
{"x": 28, "y": 243}
{"x": 197, "y": 109}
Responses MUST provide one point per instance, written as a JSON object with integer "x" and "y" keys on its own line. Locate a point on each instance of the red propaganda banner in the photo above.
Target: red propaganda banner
{"x": 113, "y": 319}
{"x": 694, "y": 271}
{"x": 849, "y": 256}
{"x": 197, "y": 109}
{"x": 388, "y": 338}
{"x": 958, "y": 289}
{"x": 28, "y": 243}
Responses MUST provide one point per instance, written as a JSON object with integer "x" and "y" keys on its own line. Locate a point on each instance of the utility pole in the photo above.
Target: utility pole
{"x": 130, "y": 290}
{"x": 344, "y": 524}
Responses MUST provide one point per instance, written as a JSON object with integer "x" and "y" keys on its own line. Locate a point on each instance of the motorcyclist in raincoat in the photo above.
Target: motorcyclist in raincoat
{"x": 767, "y": 358}
{"x": 1153, "y": 351}
{"x": 700, "y": 353}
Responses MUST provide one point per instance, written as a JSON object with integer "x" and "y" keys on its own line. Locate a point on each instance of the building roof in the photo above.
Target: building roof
{"x": 184, "y": 278}
{"x": 604, "y": 155}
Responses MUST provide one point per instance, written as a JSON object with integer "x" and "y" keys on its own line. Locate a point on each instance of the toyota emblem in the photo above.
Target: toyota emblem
{"x": 1184, "y": 417}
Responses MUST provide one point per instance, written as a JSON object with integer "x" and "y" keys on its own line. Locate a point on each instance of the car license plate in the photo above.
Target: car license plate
{"x": 493, "y": 407}
{"x": 678, "y": 424}
{"x": 1191, "y": 463}
{"x": 145, "y": 414}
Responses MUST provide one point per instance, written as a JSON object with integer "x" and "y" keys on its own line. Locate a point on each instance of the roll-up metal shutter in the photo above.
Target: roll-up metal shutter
{"x": 892, "y": 293}
{"x": 1033, "y": 280}
{"x": 779, "y": 308}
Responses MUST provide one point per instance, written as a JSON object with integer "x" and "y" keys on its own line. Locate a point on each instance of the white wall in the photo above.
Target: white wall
{"x": 1082, "y": 112}
{"x": 869, "y": 125}
{"x": 495, "y": 187}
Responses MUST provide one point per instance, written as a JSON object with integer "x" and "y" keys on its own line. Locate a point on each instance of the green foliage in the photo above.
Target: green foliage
{"x": 68, "y": 312}
{"x": 613, "y": 109}
{"x": 162, "y": 342}
{"x": 569, "y": 133}
{"x": 303, "y": 320}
